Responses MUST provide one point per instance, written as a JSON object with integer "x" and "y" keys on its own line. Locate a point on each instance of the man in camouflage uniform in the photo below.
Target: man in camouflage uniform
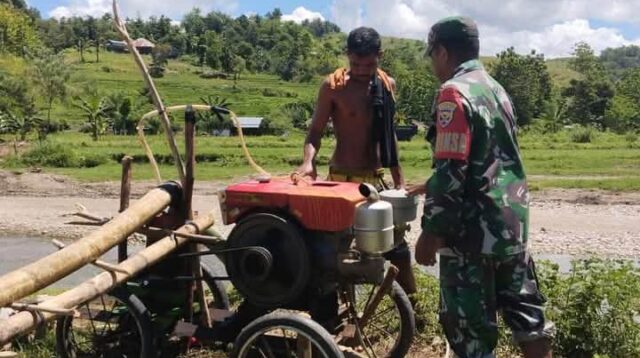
{"x": 476, "y": 213}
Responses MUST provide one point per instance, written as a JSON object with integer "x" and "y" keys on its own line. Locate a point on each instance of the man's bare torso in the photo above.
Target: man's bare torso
{"x": 352, "y": 119}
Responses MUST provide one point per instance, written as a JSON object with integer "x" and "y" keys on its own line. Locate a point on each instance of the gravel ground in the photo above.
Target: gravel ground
{"x": 568, "y": 222}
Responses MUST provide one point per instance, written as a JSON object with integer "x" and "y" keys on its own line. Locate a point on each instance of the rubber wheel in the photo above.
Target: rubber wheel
{"x": 394, "y": 314}
{"x": 252, "y": 341}
{"x": 133, "y": 337}
{"x": 289, "y": 271}
{"x": 217, "y": 288}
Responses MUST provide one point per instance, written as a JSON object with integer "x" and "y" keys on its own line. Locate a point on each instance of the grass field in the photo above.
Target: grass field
{"x": 610, "y": 161}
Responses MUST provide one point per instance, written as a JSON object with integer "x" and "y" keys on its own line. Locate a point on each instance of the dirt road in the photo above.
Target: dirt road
{"x": 572, "y": 222}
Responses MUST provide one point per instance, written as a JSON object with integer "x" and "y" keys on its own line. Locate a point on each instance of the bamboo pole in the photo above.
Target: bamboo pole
{"x": 97, "y": 263}
{"x": 125, "y": 194}
{"x": 155, "y": 95}
{"x": 40, "y": 308}
{"x": 23, "y": 322}
{"x": 31, "y": 278}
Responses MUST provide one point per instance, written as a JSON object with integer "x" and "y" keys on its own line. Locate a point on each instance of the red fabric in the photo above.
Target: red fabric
{"x": 453, "y": 139}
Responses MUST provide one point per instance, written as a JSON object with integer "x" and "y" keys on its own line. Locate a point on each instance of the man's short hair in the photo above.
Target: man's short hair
{"x": 364, "y": 41}
{"x": 463, "y": 50}
{"x": 458, "y": 34}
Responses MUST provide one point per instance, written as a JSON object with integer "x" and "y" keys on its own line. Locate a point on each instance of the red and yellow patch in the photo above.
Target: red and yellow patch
{"x": 453, "y": 132}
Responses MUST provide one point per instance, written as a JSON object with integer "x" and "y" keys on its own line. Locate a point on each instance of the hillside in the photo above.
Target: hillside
{"x": 254, "y": 94}
{"x": 560, "y": 71}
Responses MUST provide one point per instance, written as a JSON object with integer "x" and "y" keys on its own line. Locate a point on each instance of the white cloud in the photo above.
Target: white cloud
{"x": 348, "y": 14}
{"x": 143, "y": 8}
{"x": 548, "y": 26}
{"x": 300, "y": 14}
{"x": 82, "y": 8}
{"x": 542, "y": 13}
{"x": 555, "y": 40}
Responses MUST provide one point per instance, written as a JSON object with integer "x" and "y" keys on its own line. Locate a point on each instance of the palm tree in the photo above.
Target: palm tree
{"x": 120, "y": 113}
{"x": 211, "y": 121}
{"x": 554, "y": 114}
{"x": 20, "y": 125}
{"x": 95, "y": 110}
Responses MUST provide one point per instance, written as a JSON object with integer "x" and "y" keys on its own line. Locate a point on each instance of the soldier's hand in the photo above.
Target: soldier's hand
{"x": 415, "y": 190}
{"x": 427, "y": 247}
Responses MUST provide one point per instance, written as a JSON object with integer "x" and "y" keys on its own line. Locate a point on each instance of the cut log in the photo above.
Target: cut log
{"x": 23, "y": 322}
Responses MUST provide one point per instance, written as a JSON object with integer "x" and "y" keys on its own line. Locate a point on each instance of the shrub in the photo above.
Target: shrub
{"x": 156, "y": 71}
{"x": 56, "y": 155}
{"x": 631, "y": 137}
{"x": 596, "y": 309}
{"x": 582, "y": 135}
{"x": 51, "y": 155}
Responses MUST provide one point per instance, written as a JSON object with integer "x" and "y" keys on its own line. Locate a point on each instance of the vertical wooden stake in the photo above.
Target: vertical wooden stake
{"x": 196, "y": 269}
{"x": 125, "y": 194}
{"x": 189, "y": 133}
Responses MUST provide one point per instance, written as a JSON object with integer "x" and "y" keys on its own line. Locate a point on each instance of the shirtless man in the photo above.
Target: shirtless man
{"x": 345, "y": 99}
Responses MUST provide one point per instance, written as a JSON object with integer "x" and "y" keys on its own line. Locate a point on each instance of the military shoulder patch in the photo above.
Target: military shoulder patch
{"x": 445, "y": 113}
{"x": 453, "y": 135}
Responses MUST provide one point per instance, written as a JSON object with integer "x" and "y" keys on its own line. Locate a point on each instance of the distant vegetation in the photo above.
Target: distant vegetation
{"x": 276, "y": 67}
{"x": 56, "y": 75}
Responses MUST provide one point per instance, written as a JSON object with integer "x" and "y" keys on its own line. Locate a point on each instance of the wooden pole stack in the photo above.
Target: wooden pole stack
{"x": 42, "y": 273}
{"x": 23, "y": 322}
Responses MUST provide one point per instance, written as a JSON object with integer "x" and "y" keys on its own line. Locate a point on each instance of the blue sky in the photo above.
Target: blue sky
{"x": 287, "y": 6}
{"x": 628, "y": 29}
{"x": 548, "y": 26}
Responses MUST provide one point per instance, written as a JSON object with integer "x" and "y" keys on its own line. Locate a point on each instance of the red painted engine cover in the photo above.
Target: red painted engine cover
{"x": 321, "y": 206}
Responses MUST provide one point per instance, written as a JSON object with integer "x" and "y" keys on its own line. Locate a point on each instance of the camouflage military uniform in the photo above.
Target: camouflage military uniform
{"x": 478, "y": 201}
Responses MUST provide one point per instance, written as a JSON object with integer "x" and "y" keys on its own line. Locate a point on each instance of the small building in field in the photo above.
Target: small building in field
{"x": 250, "y": 126}
{"x": 144, "y": 46}
{"x": 116, "y": 46}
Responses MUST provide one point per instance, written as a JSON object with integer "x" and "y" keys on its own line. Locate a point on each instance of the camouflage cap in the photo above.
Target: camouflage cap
{"x": 454, "y": 28}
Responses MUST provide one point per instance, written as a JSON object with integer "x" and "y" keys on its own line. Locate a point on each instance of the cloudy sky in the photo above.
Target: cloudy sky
{"x": 548, "y": 26}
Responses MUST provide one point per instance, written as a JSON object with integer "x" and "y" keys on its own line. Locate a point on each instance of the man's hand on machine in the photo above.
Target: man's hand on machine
{"x": 307, "y": 170}
{"x": 415, "y": 190}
